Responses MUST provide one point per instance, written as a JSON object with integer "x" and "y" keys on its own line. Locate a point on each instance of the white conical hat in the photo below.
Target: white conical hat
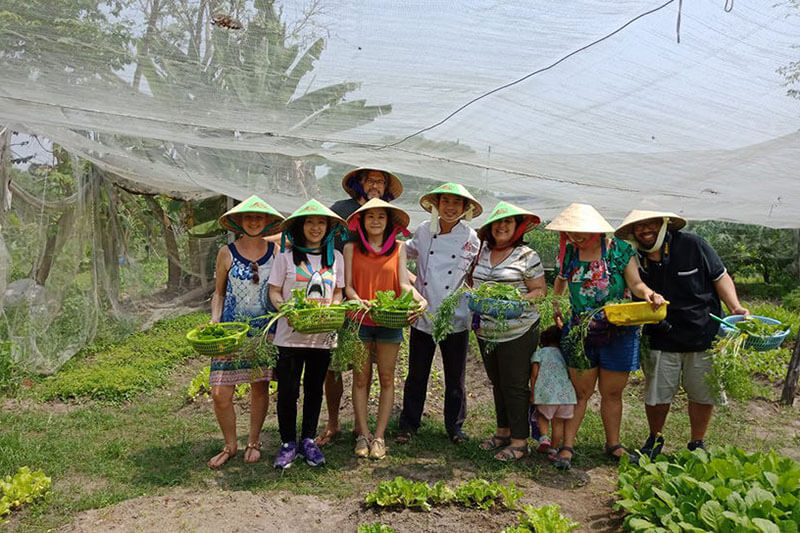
{"x": 625, "y": 230}
{"x": 580, "y": 218}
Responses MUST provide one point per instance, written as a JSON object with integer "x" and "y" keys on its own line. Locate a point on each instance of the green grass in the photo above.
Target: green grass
{"x": 133, "y": 444}
{"x": 139, "y": 364}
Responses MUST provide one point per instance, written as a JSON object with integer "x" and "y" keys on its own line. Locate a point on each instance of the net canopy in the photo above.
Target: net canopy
{"x": 688, "y": 107}
{"x": 153, "y": 92}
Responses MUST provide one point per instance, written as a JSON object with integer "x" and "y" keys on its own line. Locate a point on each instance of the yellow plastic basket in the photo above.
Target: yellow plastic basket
{"x": 634, "y": 313}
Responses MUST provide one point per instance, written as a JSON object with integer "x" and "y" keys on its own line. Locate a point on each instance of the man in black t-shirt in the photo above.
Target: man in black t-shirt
{"x": 362, "y": 184}
{"x": 690, "y": 275}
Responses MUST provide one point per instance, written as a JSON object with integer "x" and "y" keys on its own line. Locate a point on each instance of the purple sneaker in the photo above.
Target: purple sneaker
{"x": 286, "y": 455}
{"x": 312, "y": 453}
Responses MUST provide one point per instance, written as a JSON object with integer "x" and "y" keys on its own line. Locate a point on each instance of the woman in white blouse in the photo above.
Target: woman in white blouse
{"x": 506, "y": 346}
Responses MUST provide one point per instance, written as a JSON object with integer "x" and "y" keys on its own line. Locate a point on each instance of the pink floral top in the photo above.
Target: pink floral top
{"x": 593, "y": 283}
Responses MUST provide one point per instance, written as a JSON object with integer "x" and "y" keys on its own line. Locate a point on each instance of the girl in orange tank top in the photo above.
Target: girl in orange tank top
{"x": 376, "y": 262}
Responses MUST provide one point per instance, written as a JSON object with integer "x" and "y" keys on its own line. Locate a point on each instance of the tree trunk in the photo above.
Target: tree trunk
{"x": 171, "y": 243}
{"x": 796, "y": 258}
{"x": 144, "y": 53}
{"x": 56, "y": 239}
{"x": 195, "y": 278}
{"x": 5, "y": 175}
{"x": 792, "y": 374}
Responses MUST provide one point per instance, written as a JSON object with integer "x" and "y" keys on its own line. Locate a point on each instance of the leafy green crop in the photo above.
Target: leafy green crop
{"x": 200, "y": 386}
{"x": 442, "y": 325}
{"x": 119, "y": 372}
{"x": 377, "y": 527}
{"x": 725, "y": 490}
{"x": 478, "y": 493}
{"x": 729, "y": 371}
{"x": 755, "y": 327}
{"x": 211, "y": 332}
{"x": 388, "y": 301}
{"x": 24, "y": 487}
{"x": 545, "y": 519}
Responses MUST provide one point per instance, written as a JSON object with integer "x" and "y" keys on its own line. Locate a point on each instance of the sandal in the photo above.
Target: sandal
{"x": 404, "y": 436}
{"x": 509, "y": 453}
{"x": 226, "y": 450}
{"x": 459, "y": 437}
{"x": 561, "y": 462}
{"x": 326, "y": 437}
{"x": 494, "y": 442}
{"x": 252, "y": 446}
{"x": 609, "y": 452}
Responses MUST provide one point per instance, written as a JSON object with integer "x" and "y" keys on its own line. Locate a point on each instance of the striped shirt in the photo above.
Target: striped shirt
{"x": 523, "y": 264}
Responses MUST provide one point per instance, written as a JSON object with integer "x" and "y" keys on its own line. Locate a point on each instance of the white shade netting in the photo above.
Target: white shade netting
{"x": 155, "y": 99}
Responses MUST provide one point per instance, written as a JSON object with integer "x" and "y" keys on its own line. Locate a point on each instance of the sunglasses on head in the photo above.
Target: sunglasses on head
{"x": 254, "y": 268}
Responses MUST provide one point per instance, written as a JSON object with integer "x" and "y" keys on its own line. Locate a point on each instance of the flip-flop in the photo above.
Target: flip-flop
{"x": 253, "y": 446}
{"x": 231, "y": 455}
{"x": 326, "y": 437}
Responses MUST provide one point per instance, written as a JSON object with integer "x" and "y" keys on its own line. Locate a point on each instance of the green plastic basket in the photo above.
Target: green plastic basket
{"x": 221, "y": 345}
{"x": 389, "y": 318}
{"x": 319, "y": 320}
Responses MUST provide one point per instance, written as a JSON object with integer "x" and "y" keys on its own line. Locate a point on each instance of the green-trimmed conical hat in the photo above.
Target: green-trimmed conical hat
{"x": 505, "y": 210}
{"x": 311, "y": 208}
{"x": 232, "y": 220}
{"x": 429, "y": 200}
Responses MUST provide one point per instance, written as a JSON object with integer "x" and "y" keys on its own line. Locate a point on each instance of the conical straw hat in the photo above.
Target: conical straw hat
{"x": 394, "y": 186}
{"x": 580, "y": 218}
{"x": 232, "y": 220}
{"x": 505, "y": 210}
{"x": 625, "y": 230}
{"x": 399, "y": 217}
{"x": 428, "y": 201}
{"x": 311, "y": 208}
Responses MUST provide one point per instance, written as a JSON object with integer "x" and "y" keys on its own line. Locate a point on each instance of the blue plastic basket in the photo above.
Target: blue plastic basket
{"x": 494, "y": 307}
{"x": 757, "y": 342}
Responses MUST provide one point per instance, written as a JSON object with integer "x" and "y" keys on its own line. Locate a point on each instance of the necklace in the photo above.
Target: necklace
{"x": 494, "y": 261}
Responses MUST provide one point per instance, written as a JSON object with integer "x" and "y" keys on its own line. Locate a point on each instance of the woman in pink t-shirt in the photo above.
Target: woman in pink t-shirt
{"x": 311, "y": 264}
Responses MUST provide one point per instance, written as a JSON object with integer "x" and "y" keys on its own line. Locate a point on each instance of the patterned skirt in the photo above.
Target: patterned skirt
{"x": 235, "y": 369}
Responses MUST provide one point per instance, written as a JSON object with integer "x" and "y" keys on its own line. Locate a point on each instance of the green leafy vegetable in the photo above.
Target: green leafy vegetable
{"x": 25, "y": 486}
{"x": 479, "y": 493}
{"x": 543, "y": 519}
{"x": 758, "y": 328}
{"x": 388, "y": 301}
{"x": 725, "y": 489}
{"x": 377, "y": 527}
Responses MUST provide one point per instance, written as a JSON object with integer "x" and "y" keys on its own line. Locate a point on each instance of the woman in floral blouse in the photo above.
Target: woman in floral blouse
{"x": 597, "y": 270}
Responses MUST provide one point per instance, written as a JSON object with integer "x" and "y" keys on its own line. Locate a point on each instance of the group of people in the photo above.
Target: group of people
{"x": 351, "y": 251}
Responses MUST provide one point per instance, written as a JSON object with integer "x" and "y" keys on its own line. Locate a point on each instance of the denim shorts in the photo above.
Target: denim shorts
{"x": 621, "y": 354}
{"x": 380, "y": 334}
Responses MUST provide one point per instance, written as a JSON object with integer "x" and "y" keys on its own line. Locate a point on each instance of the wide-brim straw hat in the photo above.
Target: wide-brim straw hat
{"x": 625, "y": 229}
{"x": 504, "y": 210}
{"x": 398, "y": 217}
{"x": 393, "y": 187}
{"x": 580, "y": 218}
{"x": 312, "y": 208}
{"x": 430, "y": 200}
{"x": 232, "y": 219}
